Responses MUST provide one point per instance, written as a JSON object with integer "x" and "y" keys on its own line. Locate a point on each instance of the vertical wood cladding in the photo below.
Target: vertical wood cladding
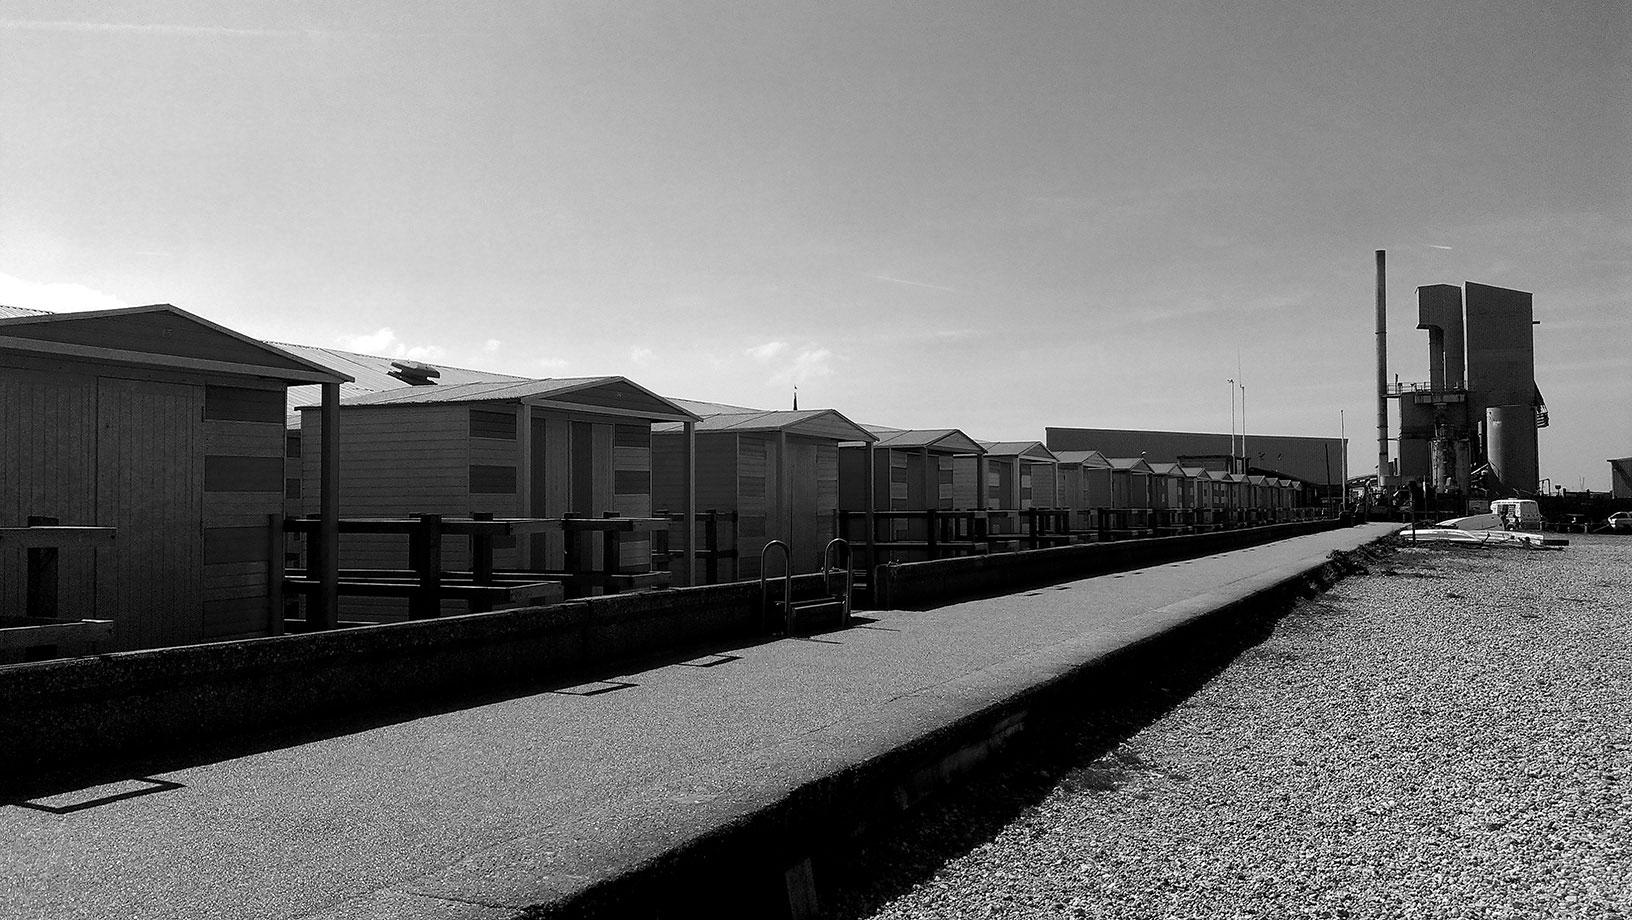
{"x": 48, "y": 451}
{"x": 187, "y": 472}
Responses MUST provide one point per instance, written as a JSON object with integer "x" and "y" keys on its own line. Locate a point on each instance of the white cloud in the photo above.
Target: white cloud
{"x": 384, "y": 343}
{"x": 55, "y": 296}
{"x": 767, "y": 351}
{"x": 492, "y": 345}
{"x": 553, "y": 364}
{"x": 810, "y": 363}
{"x": 640, "y": 355}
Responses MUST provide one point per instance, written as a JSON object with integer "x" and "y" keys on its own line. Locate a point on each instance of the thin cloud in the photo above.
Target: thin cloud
{"x": 922, "y": 284}
{"x": 641, "y": 355}
{"x": 137, "y": 28}
{"x": 812, "y": 363}
{"x": 492, "y": 345}
{"x": 55, "y": 296}
{"x": 1432, "y": 246}
{"x": 767, "y": 351}
{"x": 553, "y": 364}
{"x": 384, "y": 342}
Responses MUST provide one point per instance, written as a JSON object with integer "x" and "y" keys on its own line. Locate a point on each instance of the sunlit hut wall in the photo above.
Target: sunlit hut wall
{"x": 1168, "y": 486}
{"x": 778, "y": 471}
{"x": 1085, "y": 477}
{"x": 1019, "y": 475}
{"x": 912, "y": 471}
{"x": 168, "y": 428}
{"x": 528, "y": 448}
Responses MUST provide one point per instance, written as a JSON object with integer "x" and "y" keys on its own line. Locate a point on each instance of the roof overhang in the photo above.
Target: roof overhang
{"x": 161, "y": 336}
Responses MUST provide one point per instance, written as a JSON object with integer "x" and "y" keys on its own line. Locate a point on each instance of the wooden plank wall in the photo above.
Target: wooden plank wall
{"x": 48, "y": 460}
{"x": 716, "y": 481}
{"x": 394, "y": 461}
{"x": 965, "y": 489}
{"x": 756, "y": 500}
{"x": 244, "y": 484}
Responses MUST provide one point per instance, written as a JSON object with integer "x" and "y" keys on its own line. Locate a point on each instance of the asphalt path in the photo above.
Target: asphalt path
{"x": 480, "y": 812}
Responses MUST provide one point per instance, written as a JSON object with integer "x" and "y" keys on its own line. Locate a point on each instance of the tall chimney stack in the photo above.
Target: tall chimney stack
{"x": 1382, "y": 372}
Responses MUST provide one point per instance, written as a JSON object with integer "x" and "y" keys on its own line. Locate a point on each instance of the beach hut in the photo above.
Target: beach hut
{"x": 514, "y": 448}
{"x": 1018, "y": 475}
{"x": 1084, "y": 478}
{"x": 167, "y": 430}
{"x": 912, "y": 471}
{"x": 776, "y": 471}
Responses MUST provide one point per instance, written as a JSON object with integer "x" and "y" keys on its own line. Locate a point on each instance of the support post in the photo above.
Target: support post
{"x": 689, "y": 528}
{"x": 274, "y": 575}
{"x": 872, "y": 515}
{"x": 325, "y": 613}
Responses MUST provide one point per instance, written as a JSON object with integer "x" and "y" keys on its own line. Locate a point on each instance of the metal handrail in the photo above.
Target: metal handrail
{"x": 828, "y": 562}
{"x": 787, "y": 586}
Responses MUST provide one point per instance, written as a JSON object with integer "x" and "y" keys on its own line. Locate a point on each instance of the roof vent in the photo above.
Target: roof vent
{"x": 414, "y": 373}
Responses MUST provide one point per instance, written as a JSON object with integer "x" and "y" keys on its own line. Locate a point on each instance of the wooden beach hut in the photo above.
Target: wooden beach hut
{"x": 168, "y": 430}
{"x": 1017, "y": 475}
{"x": 514, "y": 448}
{"x": 1084, "y": 486}
{"x": 912, "y": 471}
{"x": 777, "y": 471}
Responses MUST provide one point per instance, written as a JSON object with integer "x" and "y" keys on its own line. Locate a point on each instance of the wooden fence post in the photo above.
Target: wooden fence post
{"x": 42, "y": 573}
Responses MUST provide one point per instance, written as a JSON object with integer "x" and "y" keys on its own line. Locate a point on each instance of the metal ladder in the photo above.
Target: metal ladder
{"x": 787, "y": 612}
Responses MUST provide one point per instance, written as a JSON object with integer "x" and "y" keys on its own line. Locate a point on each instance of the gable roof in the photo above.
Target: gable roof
{"x": 943, "y": 440}
{"x": 156, "y": 335}
{"x": 1130, "y": 464}
{"x": 1089, "y": 459}
{"x": 606, "y": 395}
{"x": 827, "y": 424}
{"x": 1024, "y": 450}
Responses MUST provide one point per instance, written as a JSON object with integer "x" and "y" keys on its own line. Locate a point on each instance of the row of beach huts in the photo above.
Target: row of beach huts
{"x": 185, "y": 482}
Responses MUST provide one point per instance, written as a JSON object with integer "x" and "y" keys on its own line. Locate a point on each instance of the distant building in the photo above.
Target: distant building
{"x": 1620, "y": 477}
{"x": 1318, "y": 461}
{"x": 1472, "y": 424}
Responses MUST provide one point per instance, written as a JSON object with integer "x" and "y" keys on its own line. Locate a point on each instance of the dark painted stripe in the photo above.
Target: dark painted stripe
{"x": 235, "y": 544}
{"x": 488, "y": 479}
{"x": 632, "y": 482}
{"x": 243, "y": 474}
{"x": 239, "y": 404}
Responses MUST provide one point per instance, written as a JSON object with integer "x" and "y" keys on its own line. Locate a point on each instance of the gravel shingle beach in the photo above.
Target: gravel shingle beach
{"x": 1446, "y": 735}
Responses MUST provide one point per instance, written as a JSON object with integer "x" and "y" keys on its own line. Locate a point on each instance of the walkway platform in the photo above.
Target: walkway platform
{"x": 546, "y": 802}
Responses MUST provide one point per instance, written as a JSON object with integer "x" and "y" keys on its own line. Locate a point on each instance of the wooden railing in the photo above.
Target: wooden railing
{"x": 426, "y": 584}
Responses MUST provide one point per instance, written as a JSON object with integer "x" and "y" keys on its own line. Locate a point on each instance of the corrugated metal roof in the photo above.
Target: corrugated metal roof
{"x": 371, "y": 374}
{"x": 704, "y": 409}
{"x": 817, "y": 423}
{"x": 9, "y": 312}
{"x": 486, "y": 391}
{"x": 946, "y": 439}
{"x": 1133, "y": 464}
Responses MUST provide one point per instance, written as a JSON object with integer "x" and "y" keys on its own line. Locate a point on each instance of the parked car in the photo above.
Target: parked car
{"x": 1619, "y": 522}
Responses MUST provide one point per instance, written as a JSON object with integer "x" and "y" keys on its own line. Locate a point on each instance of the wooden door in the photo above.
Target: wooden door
{"x": 150, "y": 485}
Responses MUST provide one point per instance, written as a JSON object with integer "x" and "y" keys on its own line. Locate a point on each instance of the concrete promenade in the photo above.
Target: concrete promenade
{"x": 487, "y": 811}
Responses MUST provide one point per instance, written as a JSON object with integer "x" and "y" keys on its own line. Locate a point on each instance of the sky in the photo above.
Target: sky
{"x": 991, "y": 216}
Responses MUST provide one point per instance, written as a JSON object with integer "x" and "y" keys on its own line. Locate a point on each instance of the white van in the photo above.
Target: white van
{"x": 1517, "y": 513}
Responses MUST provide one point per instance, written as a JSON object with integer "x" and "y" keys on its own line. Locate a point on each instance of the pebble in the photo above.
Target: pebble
{"x": 1446, "y": 735}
